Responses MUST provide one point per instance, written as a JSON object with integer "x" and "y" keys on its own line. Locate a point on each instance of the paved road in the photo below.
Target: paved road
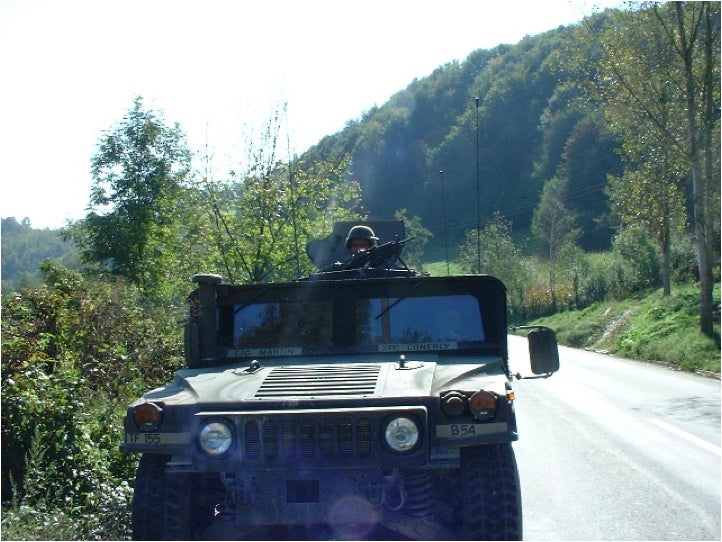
{"x": 612, "y": 449}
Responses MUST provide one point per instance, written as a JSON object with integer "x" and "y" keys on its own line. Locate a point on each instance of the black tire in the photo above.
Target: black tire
{"x": 164, "y": 503}
{"x": 147, "y": 495}
{"x": 491, "y": 502}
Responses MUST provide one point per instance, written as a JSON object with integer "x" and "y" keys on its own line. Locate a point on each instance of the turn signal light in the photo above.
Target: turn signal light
{"x": 147, "y": 416}
{"x": 482, "y": 405}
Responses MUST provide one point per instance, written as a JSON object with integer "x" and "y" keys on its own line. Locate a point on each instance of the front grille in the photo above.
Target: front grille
{"x": 299, "y": 438}
{"x": 320, "y": 381}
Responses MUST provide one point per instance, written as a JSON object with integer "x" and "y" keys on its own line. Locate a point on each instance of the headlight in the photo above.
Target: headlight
{"x": 215, "y": 438}
{"x": 401, "y": 434}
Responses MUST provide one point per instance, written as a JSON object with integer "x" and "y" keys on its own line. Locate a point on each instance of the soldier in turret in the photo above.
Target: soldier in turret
{"x": 360, "y": 239}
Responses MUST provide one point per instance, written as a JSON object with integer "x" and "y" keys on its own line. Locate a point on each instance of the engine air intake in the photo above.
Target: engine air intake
{"x": 319, "y": 381}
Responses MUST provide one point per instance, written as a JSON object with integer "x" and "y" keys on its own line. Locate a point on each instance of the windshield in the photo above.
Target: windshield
{"x": 378, "y": 323}
{"x": 278, "y": 324}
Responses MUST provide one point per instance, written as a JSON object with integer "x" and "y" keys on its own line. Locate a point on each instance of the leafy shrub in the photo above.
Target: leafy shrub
{"x": 75, "y": 352}
{"x": 640, "y": 259}
{"x": 36, "y": 517}
{"x": 602, "y": 279}
{"x": 683, "y": 258}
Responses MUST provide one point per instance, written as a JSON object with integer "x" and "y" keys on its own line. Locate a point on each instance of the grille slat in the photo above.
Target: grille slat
{"x": 304, "y": 438}
{"x": 354, "y": 380}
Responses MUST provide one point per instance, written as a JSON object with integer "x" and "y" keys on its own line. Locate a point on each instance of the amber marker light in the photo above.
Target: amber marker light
{"x": 147, "y": 416}
{"x": 482, "y": 405}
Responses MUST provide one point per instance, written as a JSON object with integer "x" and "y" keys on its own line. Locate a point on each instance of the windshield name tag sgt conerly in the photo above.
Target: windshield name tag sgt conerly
{"x": 418, "y": 347}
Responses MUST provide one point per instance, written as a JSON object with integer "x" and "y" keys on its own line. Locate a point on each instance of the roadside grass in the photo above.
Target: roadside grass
{"x": 648, "y": 327}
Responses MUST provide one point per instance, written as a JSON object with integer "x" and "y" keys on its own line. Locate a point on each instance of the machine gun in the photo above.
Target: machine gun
{"x": 380, "y": 256}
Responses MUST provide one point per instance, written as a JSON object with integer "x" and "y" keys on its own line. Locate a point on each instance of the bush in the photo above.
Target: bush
{"x": 683, "y": 258}
{"x": 640, "y": 260}
{"x": 75, "y": 352}
{"x": 109, "y": 507}
{"x": 602, "y": 280}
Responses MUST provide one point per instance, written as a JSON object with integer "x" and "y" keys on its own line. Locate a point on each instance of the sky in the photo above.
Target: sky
{"x": 71, "y": 69}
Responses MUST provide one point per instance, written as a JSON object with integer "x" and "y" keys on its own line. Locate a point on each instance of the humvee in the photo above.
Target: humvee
{"x": 368, "y": 395}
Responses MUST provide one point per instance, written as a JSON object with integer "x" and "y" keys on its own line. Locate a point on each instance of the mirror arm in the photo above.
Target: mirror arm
{"x": 518, "y": 376}
{"x": 514, "y": 328}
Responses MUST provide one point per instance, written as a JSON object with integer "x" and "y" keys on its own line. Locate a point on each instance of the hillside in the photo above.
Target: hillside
{"x": 646, "y": 326}
{"x": 520, "y": 103}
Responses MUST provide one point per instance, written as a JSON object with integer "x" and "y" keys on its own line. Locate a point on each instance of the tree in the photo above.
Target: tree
{"x": 637, "y": 257}
{"x": 575, "y": 265}
{"x": 659, "y": 69}
{"x": 650, "y": 196}
{"x": 649, "y": 193}
{"x": 138, "y": 173}
{"x": 414, "y": 249}
{"x": 589, "y": 157}
{"x": 500, "y": 257}
{"x": 554, "y": 226}
{"x": 23, "y": 248}
{"x": 260, "y": 221}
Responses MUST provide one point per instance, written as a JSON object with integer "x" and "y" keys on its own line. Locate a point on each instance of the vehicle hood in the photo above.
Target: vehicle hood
{"x": 293, "y": 382}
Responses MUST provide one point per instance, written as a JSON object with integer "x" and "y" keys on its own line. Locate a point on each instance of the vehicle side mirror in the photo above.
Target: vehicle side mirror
{"x": 543, "y": 351}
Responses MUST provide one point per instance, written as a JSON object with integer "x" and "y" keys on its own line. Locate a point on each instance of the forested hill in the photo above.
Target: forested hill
{"x": 531, "y": 125}
{"x": 24, "y": 247}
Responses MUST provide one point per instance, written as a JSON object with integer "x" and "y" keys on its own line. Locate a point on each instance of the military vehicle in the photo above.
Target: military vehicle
{"x": 362, "y": 396}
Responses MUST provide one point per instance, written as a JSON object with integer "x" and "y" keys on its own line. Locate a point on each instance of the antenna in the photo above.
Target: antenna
{"x": 478, "y": 196}
{"x": 293, "y": 195}
{"x": 443, "y": 215}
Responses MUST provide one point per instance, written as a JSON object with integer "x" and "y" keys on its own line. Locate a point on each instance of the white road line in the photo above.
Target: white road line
{"x": 686, "y": 436}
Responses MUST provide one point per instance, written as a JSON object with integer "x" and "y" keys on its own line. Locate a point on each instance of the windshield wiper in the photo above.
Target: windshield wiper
{"x": 398, "y": 300}
{"x": 249, "y": 301}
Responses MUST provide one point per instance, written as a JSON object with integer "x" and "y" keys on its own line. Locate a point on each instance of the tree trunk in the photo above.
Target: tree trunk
{"x": 666, "y": 286}
{"x": 698, "y": 180}
{"x": 705, "y": 269}
{"x": 709, "y": 151}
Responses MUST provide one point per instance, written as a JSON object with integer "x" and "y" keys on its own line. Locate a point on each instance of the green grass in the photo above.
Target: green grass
{"x": 438, "y": 269}
{"x": 649, "y": 327}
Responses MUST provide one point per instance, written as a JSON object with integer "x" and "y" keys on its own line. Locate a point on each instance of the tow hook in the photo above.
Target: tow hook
{"x": 389, "y": 491}
{"x": 238, "y": 492}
